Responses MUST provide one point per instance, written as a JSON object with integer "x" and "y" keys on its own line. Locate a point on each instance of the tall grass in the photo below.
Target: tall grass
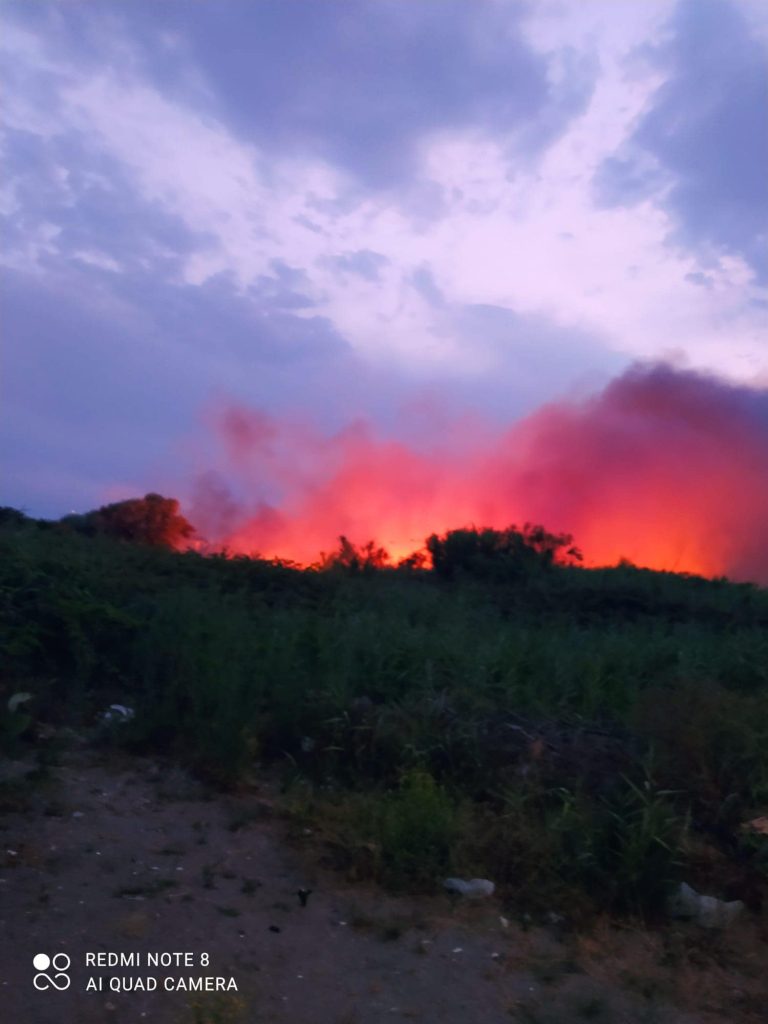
{"x": 539, "y": 701}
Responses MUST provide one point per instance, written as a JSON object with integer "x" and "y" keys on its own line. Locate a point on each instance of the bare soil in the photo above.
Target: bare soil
{"x": 131, "y": 856}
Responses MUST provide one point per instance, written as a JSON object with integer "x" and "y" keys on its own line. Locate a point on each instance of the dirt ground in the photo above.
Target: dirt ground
{"x": 126, "y": 856}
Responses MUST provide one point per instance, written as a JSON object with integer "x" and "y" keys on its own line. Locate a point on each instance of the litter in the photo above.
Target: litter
{"x": 17, "y": 700}
{"x": 118, "y": 713}
{"x": 475, "y": 888}
{"x": 705, "y": 911}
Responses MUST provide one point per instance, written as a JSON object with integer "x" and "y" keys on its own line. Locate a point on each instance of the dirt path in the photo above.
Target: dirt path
{"x": 116, "y": 857}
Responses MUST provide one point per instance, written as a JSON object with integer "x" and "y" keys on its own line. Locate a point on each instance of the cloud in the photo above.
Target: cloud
{"x": 700, "y": 150}
{"x": 533, "y": 352}
{"x": 108, "y": 375}
{"x": 388, "y": 212}
{"x": 279, "y": 75}
{"x": 365, "y": 262}
{"x": 106, "y": 372}
{"x": 123, "y": 173}
{"x": 69, "y": 183}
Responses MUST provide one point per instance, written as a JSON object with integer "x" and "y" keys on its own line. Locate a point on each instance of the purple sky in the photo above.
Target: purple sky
{"x": 334, "y": 209}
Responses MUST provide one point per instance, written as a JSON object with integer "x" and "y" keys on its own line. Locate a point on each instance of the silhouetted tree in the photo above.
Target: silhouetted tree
{"x": 415, "y": 561}
{"x": 500, "y": 554}
{"x": 355, "y": 558}
{"x": 152, "y": 520}
{"x": 13, "y": 517}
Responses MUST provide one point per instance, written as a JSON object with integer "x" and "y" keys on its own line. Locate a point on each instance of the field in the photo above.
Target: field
{"x": 587, "y": 739}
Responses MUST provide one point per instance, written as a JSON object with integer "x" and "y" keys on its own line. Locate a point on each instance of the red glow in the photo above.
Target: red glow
{"x": 666, "y": 468}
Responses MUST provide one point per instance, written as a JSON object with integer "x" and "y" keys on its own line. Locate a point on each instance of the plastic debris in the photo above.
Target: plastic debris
{"x": 15, "y": 702}
{"x": 118, "y": 713}
{"x": 705, "y": 911}
{"x": 475, "y": 888}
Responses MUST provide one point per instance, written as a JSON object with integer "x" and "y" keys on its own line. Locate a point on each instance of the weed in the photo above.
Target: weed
{"x": 417, "y": 827}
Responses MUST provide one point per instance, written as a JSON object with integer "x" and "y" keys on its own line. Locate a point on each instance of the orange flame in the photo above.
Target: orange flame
{"x": 666, "y": 468}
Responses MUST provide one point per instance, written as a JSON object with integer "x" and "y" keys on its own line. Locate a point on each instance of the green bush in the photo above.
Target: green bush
{"x": 417, "y": 828}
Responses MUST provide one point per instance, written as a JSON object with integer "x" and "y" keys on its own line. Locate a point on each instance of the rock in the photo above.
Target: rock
{"x": 475, "y": 888}
{"x": 705, "y": 911}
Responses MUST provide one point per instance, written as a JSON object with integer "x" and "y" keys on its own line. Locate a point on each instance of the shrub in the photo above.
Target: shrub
{"x": 152, "y": 520}
{"x": 416, "y": 831}
{"x": 499, "y": 554}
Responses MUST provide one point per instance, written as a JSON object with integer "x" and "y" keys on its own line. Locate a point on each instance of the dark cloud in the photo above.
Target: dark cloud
{"x": 424, "y": 282}
{"x": 533, "y": 354}
{"x": 702, "y": 146}
{"x": 358, "y": 83}
{"x": 363, "y": 262}
{"x": 67, "y": 181}
{"x": 702, "y": 280}
{"x": 625, "y": 180}
{"x": 107, "y": 369}
{"x": 107, "y": 374}
{"x": 104, "y": 372}
{"x": 283, "y": 288}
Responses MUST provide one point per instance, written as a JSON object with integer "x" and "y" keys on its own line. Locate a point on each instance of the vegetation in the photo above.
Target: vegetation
{"x": 582, "y": 737}
{"x": 152, "y": 520}
{"x": 500, "y": 554}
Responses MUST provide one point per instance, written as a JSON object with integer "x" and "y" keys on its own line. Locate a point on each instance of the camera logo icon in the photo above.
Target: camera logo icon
{"x": 59, "y": 964}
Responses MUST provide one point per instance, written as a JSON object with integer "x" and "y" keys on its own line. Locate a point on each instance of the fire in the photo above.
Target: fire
{"x": 666, "y": 468}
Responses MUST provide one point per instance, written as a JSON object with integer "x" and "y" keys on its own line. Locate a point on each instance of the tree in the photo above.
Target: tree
{"x": 513, "y": 553}
{"x": 152, "y": 520}
{"x": 355, "y": 558}
{"x": 13, "y": 517}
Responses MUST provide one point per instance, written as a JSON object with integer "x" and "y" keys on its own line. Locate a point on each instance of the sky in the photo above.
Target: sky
{"x": 406, "y": 217}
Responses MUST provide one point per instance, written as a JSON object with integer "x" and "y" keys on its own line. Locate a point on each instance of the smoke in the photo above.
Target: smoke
{"x": 664, "y": 467}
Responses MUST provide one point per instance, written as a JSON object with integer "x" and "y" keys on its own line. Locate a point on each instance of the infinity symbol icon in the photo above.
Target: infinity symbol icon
{"x": 60, "y": 963}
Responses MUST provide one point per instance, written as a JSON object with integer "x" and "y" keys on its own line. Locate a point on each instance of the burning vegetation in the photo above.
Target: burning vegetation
{"x": 667, "y": 469}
